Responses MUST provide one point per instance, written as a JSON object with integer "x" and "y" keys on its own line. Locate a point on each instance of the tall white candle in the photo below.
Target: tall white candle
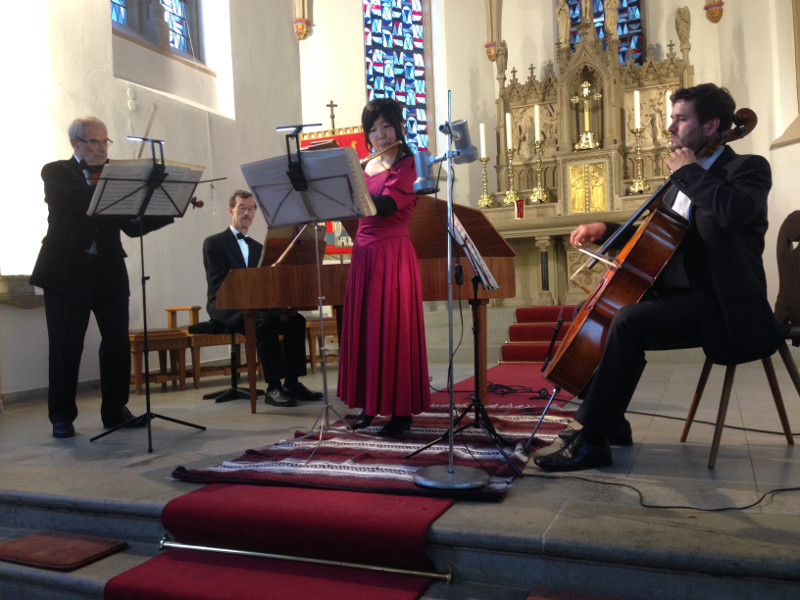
{"x": 637, "y": 117}
{"x": 483, "y": 140}
{"x": 536, "y": 127}
{"x": 509, "y": 142}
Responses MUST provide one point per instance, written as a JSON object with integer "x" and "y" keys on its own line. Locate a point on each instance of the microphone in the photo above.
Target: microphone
{"x": 425, "y": 183}
{"x": 466, "y": 152}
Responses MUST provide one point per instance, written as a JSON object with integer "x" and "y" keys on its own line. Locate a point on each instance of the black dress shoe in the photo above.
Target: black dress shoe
{"x": 395, "y": 426}
{"x": 63, "y": 429}
{"x": 575, "y": 455}
{"x": 300, "y": 392}
{"x": 620, "y": 436}
{"x": 126, "y": 419}
{"x": 276, "y": 397}
{"x": 362, "y": 421}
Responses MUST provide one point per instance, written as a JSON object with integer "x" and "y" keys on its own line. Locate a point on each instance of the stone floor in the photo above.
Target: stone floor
{"x": 658, "y": 524}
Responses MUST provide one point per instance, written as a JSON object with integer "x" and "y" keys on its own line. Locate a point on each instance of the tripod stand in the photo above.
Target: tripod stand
{"x": 145, "y": 193}
{"x": 481, "y": 419}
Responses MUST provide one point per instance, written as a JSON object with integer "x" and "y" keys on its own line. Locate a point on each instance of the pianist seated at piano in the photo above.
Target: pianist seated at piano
{"x": 383, "y": 366}
{"x": 283, "y": 361}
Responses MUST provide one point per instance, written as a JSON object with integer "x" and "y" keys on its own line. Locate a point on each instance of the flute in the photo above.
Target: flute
{"x": 364, "y": 161}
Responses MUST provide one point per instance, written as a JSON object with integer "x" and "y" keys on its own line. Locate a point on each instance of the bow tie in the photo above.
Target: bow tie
{"x": 91, "y": 168}
{"x": 241, "y": 236}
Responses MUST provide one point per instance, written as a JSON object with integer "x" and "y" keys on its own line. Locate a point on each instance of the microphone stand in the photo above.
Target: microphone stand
{"x": 450, "y": 477}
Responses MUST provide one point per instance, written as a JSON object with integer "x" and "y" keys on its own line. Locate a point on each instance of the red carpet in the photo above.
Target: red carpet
{"x": 368, "y": 463}
{"x": 386, "y": 531}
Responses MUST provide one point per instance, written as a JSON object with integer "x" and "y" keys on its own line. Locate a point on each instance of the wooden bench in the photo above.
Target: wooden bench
{"x": 172, "y": 340}
{"x": 316, "y": 337}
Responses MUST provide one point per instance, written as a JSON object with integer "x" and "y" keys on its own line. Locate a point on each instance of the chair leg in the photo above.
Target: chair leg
{"x": 769, "y": 369}
{"x": 786, "y": 355}
{"x": 196, "y": 366}
{"x": 701, "y": 386}
{"x": 724, "y": 400}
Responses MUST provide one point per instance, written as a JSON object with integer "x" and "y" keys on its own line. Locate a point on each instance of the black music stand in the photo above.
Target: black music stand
{"x": 320, "y": 185}
{"x": 138, "y": 189}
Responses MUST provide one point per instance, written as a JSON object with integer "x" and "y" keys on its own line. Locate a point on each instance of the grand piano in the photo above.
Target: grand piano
{"x": 250, "y": 290}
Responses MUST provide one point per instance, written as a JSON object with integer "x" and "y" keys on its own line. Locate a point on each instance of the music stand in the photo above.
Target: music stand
{"x": 323, "y": 185}
{"x": 137, "y": 189}
{"x": 481, "y": 420}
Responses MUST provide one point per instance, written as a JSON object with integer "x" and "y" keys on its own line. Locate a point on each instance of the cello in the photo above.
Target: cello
{"x": 634, "y": 270}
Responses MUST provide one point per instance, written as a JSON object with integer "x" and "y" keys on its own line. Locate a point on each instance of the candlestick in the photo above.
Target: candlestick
{"x": 483, "y": 140}
{"x": 485, "y": 201}
{"x": 637, "y": 117}
{"x": 511, "y": 196}
{"x": 509, "y": 139}
{"x": 536, "y": 127}
{"x": 639, "y": 184}
{"x": 539, "y": 194}
{"x": 669, "y": 107}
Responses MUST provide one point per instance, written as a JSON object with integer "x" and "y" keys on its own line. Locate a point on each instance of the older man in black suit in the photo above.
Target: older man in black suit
{"x": 281, "y": 360}
{"x": 81, "y": 268}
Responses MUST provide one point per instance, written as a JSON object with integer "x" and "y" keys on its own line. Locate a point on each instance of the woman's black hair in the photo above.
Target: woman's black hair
{"x": 392, "y": 111}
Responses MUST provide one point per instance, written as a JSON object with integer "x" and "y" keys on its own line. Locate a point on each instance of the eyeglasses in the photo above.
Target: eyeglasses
{"x": 242, "y": 208}
{"x": 96, "y": 143}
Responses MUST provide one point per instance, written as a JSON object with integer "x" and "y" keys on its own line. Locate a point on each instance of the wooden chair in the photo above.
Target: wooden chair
{"x": 205, "y": 339}
{"x": 787, "y": 311}
{"x": 316, "y": 337}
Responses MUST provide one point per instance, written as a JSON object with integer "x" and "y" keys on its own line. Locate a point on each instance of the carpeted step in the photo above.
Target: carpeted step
{"x": 535, "y": 332}
{"x": 534, "y": 314}
{"x": 524, "y": 351}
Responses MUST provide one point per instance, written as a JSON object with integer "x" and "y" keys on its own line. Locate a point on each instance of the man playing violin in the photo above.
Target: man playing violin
{"x": 711, "y": 294}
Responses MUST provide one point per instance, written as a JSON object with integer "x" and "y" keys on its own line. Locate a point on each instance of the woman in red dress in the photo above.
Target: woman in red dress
{"x": 383, "y": 365}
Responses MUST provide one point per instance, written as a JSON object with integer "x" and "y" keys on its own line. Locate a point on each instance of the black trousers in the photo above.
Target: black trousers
{"x": 666, "y": 321}
{"x": 280, "y": 359}
{"x": 67, "y": 313}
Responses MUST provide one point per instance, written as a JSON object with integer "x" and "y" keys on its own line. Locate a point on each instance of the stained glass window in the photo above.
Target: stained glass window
{"x": 180, "y": 16}
{"x": 629, "y": 27}
{"x": 395, "y": 61}
{"x": 119, "y": 11}
{"x": 175, "y": 16}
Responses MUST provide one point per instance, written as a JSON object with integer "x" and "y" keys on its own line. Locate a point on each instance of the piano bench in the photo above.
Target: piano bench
{"x": 196, "y": 341}
{"x": 175, "y": 341}
{"x": 316, "y": 339}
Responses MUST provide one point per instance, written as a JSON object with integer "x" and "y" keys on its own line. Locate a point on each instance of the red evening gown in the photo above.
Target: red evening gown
{"x": 383, "y": 364}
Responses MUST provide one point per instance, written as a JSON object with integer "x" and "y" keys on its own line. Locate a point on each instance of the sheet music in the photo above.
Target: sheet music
{"x": 122, "y": 189}
{"x": 475, "y": 259}
{"x": 336, "y": 188}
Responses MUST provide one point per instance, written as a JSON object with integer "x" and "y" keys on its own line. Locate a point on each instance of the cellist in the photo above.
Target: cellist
{"x": 711, "y": 294}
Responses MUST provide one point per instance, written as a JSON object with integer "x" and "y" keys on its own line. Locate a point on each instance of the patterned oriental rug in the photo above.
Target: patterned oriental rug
{"x": 362, "y": 461}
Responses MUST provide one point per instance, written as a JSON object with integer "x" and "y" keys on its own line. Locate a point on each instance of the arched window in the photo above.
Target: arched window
{"x": 179, "y": 15}
{"x": 395, "y": 61}
{"x": 629, "y": 27}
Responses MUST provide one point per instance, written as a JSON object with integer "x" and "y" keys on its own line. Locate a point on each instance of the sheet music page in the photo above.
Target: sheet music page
{"x": 122, "y": 189}
{"x": 336, "y": 188}
{"x": 475, "y": 258}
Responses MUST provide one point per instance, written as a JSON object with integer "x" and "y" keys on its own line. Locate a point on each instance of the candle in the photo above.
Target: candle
{"x": 509, "y": 142}
{"x": 483, "y": 140}
{"x": 669, "y": 106}
{"x": 536, "y": 127}
{"x": 637, "y": 117}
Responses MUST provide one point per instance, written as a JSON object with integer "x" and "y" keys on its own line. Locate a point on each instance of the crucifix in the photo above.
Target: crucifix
{"x": 331, "y": 105}
{"x": 587, "y": 138}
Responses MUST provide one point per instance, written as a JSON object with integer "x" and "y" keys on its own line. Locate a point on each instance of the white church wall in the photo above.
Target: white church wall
{"x": 77, "y": 67}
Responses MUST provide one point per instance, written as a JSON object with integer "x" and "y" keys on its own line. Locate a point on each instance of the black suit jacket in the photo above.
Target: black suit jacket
{"x": 221, "y": 253}
{"x": 722, "y": 254}
{"x": 70, "y": 233}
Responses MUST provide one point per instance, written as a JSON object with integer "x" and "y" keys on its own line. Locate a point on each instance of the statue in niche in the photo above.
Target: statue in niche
{"x": 587, "y": 11}
{"x": 683, "y": 24}
{"x": 656, "y": 120}
{"x": 564, "y": 22}
{"x": 611, "y": 12}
